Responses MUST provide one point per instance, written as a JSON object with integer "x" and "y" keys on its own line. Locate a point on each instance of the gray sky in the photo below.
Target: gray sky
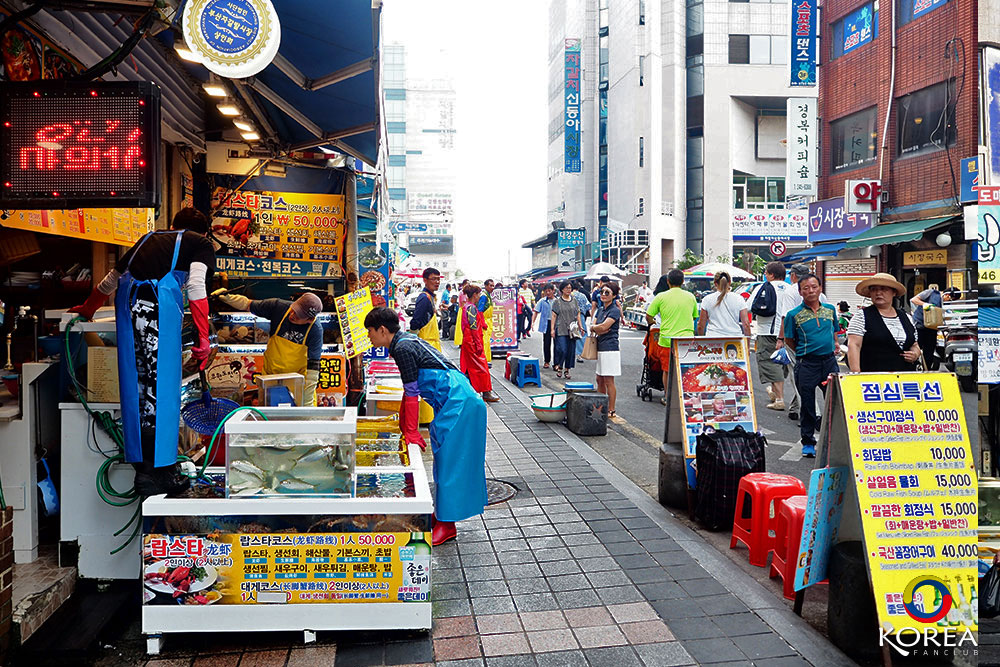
{"x": 495, "y": 52}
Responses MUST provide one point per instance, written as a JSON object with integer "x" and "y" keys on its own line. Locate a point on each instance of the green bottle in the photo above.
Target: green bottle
{"x": 419, "y": 544}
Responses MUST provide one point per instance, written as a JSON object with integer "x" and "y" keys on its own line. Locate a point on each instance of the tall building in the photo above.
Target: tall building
{"x": 686, "y": 133}
{"x": 420, "y": 172}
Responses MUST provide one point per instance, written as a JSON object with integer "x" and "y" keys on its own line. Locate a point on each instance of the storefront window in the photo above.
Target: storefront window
{"x": 854, "y": 140}
{"x": 926, "y": 119}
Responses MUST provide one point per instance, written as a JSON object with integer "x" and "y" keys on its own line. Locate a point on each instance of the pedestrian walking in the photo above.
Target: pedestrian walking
{"x": 565, "y": 313}
{"x": 811, "y": 330}
{"x": 528, "y": 297}
{"x": 678, "y": 310}
{"x": 543, "y": 317}
{"x": 796, "y": 273}
{"x": 927, "y": 336}
{"x": 769, "y": 303}
{"x": 723, "y": 313}
{"x": 607, "y": 319}
{"x": 579, "y": 293}
{"x": 473, "y": 358}
{"x": 882, "y": 339}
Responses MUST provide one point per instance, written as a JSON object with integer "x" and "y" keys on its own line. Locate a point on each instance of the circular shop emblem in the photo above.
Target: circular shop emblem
{"x": 233, "y": 38}
{"x": 916, "y": 612}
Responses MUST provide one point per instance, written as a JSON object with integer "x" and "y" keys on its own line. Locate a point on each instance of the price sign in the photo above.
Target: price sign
{"x": 67, "y": 145}
{"x": 778, "y": 248}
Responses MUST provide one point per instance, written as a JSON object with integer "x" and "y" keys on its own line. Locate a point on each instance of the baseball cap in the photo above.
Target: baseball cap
{"x": 307, "y": 306}
{"x": 801, "y": 270}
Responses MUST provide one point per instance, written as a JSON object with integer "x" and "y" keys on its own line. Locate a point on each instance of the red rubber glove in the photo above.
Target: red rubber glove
{"x": 199, "y": 315}
{"x": 409, "y": 419}
{"x": 91, "y": 305}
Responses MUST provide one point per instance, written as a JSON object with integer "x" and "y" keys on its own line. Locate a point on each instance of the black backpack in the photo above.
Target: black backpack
{"x": 765, "y": 303}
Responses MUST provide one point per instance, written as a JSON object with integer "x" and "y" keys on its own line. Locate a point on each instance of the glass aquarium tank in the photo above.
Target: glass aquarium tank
{"x": 294, "y": 452}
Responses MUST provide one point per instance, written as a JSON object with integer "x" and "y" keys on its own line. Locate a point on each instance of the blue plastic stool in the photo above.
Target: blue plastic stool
{"x": 528, "y": 371}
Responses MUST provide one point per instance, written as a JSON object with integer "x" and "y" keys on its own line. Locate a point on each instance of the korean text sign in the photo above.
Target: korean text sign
{"x": 373, "y": 261}
{"x": 120, "y": 226}
{"x": 801, "y": 175}
{"x": 504, "y": 317}
{"x": 988, "y": 241}
{"x": 917, "y": 488}
{"x": 351, "y": 311}
{"x": 829, "y": 222}
{"x": 860, "y": 27}
{"x": 299, "y": 235}
{"x": 803, "y": 43}
{"x": 762, "y": 226}
{"x": 573, "y": 125}
{"x": 292, "y": 568}
{"x": 989, "y": 357}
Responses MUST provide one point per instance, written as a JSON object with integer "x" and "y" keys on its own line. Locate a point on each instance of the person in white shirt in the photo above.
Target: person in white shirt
{"x": 769, "y": 337}
{"x": 723, "y": 313}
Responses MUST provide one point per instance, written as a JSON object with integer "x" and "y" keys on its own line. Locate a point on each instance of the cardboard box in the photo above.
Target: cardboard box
{"x": 102, "y": 375}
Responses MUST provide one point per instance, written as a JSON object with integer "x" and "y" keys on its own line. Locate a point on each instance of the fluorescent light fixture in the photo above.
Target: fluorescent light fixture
{"x": 250, "y": 136}
{"x": 228, "y": 110}
{"x": 185, "y": 53}
{"x": 214, "y": 89}
{"x": 243, "y": 125}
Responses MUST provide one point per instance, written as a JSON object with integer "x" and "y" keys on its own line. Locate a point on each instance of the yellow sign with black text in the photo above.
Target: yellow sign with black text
{"x": 938, "y": 257}
{"x": 120, "y": 226}
{"x": 351, "y": 311}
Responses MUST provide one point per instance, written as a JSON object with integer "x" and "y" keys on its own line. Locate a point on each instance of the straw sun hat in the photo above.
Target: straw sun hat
{"x": 882, "y": 279}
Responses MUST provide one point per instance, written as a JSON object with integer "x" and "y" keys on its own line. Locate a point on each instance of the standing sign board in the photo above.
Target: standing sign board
{"x": 504, "y": 318}
{"x": 914, "y": 497}
{"x": 801, "y": 176}
{"x": 821, "y": 524}
{"x": 709, "y": 384}
{"x": 351, "y": 311}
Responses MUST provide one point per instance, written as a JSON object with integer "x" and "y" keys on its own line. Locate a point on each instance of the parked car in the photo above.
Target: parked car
{"x": 410, "y": 303}
{"x": 746, "y": 290}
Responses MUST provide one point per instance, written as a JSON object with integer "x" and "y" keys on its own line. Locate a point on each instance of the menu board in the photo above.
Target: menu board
{"x": 917, "y": 488}
{"x": 279, "y": 234}
{"x": 285, "y": 568}
{"x": 822, "y": 520}
{"x": 120, "y": 226}
{"x": 504, "y": 318}
{"x": 351, "y": 310}
{"x": 714, "y": 384}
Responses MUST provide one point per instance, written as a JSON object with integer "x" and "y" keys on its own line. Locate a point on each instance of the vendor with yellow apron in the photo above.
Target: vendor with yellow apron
{"x": 424, "y": 322}
{"x": 295, "y": 344}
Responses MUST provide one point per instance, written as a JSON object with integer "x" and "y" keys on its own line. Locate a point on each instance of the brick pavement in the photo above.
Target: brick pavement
{"x": 580, "y": 568}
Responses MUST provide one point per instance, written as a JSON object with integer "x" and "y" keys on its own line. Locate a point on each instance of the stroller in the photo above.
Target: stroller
{"x": 652, "y": 370}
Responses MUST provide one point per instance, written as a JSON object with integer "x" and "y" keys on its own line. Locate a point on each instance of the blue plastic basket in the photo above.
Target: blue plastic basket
{"x": 204, "y": 415}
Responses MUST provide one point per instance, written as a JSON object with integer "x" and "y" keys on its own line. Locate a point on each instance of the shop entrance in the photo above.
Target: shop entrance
{"x": 917, "y": 280}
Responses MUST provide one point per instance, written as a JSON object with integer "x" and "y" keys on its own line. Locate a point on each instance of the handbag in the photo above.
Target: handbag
{"x": 589, "y": 348}
{"x": 574, "y": 330}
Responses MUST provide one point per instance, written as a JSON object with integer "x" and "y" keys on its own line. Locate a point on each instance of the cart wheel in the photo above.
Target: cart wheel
{"x": 638, "y": 390}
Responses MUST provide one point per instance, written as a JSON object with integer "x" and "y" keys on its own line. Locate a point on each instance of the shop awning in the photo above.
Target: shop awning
{"x": 535, "y": 273}
{"x": 817, "y": 250}
{"x": 896, "y": 232}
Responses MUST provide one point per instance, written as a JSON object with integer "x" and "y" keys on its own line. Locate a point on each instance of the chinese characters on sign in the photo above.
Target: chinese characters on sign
{"x": 351, "y": 311}
{"x": 121, "y": 226}
{"x": 572, "y": 100}
{"x": 803, "y": 42}
{"x": 802, "y": 151}
{"x": 763, "y": 226}
{"x": 829, "y": 222}
{"x": 916, "y": 483}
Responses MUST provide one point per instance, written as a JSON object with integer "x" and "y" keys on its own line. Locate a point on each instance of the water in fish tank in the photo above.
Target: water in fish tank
{"x": 269, "y": 465}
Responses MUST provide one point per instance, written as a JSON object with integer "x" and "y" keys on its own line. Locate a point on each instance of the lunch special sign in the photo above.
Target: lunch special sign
{"x": 289, "y": 568}
{"x": 917, "y": 488}
{"x": 715, "y": 387}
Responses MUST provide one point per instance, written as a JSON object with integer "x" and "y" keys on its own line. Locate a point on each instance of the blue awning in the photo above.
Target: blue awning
{"x": 534, "y": 273}
{"x": 817, "y": 250}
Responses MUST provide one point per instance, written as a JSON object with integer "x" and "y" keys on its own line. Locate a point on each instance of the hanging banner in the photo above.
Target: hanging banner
{"x": 822, "y": 521}
{"x": 571, "y": 131}
{"x": 119, "y": 226}
{"x": 568, "y": 240}
{"x": 916, "y": 484}
{"x": 988, "y": 245}
{"x": 801, "y": 174}
{"x": 233, "y": 38}
{"x": 279, "y": 234}
{"x": 803, "y": 43}
{"x": 373, "y": 262}
{"x": 504, "y": 318}
{"x": 761, "y": 227}
{"x": 351, "y": 311}
{"x": 829, "y": 222}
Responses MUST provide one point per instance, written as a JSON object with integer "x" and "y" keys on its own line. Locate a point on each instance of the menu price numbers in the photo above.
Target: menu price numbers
{"x": 953, "y": 481}
{"x": 958, "y": 509}
{"x": 960, "y": 551}
{"x": 368, "y": 539}
{"x": 947, "y": 453}
{"x": 940, "y": 415}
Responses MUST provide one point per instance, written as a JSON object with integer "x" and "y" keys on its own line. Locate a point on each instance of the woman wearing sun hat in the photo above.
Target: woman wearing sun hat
{"x": 882, "y": 339}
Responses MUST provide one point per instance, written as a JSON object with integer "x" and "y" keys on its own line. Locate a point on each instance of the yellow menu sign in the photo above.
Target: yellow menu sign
{"x": 917, "y": 487}
{"x": 120, "y": 226}
{"x": 351, "y": 311}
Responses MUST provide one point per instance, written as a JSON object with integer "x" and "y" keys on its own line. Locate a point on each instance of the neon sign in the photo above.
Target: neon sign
{"x": 79, "y": 145}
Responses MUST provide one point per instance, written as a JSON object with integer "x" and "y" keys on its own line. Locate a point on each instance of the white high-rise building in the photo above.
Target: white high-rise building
{"x": 687, "y": 127}
{"x": 420, "y": 171}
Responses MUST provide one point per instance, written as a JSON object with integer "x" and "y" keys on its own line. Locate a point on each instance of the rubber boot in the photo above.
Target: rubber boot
{"x": 490, "y": 397}
{"x": 443, "y": 531}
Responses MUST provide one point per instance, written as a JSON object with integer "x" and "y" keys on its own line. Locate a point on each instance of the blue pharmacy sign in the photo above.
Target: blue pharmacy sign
{"x": 571, "y": 131}
{"x": 860, "y": 27}
{"x": 825, "y": 504}
{"x": 829, "y": 222}
{"x": 970, "y": 180}
{"x": 803, "y": 43}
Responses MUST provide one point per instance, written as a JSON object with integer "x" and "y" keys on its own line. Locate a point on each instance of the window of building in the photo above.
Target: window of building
{"x": 396, "y": 176}
{"x": 397, "y": 160}
{"x": 779, "y": 50}
{"x": 642, "y": 12}
{"x": 642, "y": 68}
{"x": 695, "y": 18}
{"x": 642, "y": 206}
{"x": 854, "y": 140}
{"x": 397, "y": 143}
{"x": 758, "y": 49}
{"x": 641, "y": 151}
{"x": 395, "y": 110}
{"x": 908, "y": 10}
{"x": 926, "y": 119}
{"x": 395, "y": 127}
{"x": 854, "y": 30}
{"x": 762, "y": 192}
{"x": 739, "y": 49}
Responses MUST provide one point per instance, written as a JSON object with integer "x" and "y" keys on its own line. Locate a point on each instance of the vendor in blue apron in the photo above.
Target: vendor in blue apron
{"x": 149, "y": 309}
{"x": 458, "y": 431}
{"x": 295, "y": 344}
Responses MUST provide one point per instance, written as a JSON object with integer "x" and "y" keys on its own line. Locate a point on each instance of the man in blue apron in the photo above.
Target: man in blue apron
{"x": 458, "y": 431}
{"x": 149, "y": 310}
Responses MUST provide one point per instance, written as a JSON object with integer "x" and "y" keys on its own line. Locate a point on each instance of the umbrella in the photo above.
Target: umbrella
{"x": 603, "y": 269}
{"x": 709, "y": 269}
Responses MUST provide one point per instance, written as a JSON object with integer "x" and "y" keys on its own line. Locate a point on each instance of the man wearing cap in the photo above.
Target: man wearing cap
{"x": 296, "y": 341}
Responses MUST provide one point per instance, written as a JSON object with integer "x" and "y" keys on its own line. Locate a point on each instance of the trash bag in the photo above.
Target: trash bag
{"x": 989, "y": 593}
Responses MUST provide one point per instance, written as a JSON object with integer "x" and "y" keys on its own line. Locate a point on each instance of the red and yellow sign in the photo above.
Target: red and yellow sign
{"x": 120, "y": 226}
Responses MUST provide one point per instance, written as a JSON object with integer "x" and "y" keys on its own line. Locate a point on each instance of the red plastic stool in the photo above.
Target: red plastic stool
{"x": 763, "y": 489}
{"x": 787, "y": 536}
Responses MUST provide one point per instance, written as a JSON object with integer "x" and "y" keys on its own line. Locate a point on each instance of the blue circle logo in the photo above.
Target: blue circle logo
{"x": 230, "y": 26}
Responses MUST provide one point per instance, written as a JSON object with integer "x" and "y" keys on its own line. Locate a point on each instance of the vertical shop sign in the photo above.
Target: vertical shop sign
{"x": 504, "y": 318}
{"x": 989, "y": 358}
{"x": 970, "y": 180}
{"x": 567, "y": 241}
{"x": 803, "y": 42}
{"x": 572, "y": 101}
{"x": 822, "y": 521}
{"x": 802, "y": 149}
{"x": 991, "y": 98}
{"x": 988, "y": 241}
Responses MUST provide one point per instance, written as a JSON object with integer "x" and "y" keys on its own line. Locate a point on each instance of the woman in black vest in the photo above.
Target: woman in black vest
{"x": 882, "y": 339}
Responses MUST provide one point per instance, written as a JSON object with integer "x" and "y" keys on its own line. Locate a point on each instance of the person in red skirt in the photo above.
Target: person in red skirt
{"x": 473, "y": 359}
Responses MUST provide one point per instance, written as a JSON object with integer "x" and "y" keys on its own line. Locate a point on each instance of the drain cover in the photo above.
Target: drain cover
{"x": 499, "y": 491}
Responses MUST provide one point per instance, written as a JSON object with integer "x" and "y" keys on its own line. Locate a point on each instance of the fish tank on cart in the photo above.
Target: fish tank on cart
{"x": 291, "y": 452}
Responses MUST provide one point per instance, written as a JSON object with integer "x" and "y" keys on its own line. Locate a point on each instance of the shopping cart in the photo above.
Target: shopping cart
{"x": 652, "y": 370}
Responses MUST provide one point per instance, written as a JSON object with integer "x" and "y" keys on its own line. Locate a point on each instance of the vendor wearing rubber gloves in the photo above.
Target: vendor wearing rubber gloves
{"x": 149, "y": 310}
{"x": 295, "y": 344}
{"x": 458, "y": 431}
{"x": 424, "y": 322}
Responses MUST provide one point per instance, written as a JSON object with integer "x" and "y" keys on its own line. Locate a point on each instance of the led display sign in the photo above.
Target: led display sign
{"x": 79, "y": 145}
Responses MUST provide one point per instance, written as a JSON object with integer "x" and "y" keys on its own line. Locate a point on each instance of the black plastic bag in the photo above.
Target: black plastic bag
{"x": 989, "y": 593}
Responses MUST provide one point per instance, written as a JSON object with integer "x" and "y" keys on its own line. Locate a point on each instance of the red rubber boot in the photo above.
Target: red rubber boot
{"x": 443, "y": 531}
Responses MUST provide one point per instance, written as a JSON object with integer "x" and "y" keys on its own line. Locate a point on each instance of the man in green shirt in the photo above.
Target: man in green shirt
{"x": 678, "y": 311}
